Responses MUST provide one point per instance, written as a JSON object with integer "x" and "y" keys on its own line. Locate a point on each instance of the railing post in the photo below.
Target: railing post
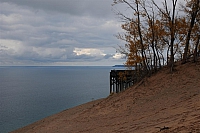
{"x": 111, "y": 82}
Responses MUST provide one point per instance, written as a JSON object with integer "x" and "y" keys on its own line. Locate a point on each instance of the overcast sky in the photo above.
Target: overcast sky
{"x": 58, "y": 32}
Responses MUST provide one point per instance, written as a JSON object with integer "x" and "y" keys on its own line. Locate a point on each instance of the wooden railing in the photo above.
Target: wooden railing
{"x": 121, "y": 80}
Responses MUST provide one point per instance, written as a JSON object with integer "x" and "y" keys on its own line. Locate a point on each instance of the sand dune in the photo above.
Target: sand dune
{"x": 165, "y": 102}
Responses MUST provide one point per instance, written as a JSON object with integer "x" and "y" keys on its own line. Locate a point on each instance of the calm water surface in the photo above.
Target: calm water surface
{"x": 28, "y": 94}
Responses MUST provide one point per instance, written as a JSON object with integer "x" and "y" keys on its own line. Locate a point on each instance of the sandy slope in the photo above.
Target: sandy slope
{"x": 164, "y": 100}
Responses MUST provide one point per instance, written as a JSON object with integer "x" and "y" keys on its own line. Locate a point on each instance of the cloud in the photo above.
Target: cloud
{"x": 118, "y": 56}
{"x": 96, "y": 54}
{"x": 88, "y": 51}
{"x": 95, "y": 8}
{"x": 36, "y": 34}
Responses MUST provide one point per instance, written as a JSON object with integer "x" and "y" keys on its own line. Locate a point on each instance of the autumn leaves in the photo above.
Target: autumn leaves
{"x": 157, "y": 35}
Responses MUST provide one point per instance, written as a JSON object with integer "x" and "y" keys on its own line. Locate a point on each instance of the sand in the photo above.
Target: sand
{"x": 164, "y": 103}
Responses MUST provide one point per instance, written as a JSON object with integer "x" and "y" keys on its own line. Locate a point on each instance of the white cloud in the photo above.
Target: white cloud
{"x": 11, "y": 46}
{"x": 88, "y": 51}
{"x": 118, "y": 56}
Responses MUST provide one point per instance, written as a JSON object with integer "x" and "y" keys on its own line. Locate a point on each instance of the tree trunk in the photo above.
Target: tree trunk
{"x": 141, "y": 40}
{"x": 192, "y": 22}
{"x": 196, "y": 47}
{"x": 172, "y": 37}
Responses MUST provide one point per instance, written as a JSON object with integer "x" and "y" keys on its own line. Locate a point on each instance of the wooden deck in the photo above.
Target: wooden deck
{"x": 118, "y": 82}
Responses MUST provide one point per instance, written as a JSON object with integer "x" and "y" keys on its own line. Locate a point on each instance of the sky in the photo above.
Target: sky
{"x": 58, "y": 33}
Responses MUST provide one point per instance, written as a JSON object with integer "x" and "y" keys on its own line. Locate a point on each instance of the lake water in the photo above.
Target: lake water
{"x": 28, "y": 94}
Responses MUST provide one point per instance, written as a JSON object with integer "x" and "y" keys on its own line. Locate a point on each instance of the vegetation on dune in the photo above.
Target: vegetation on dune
{"x": 159, "y": 34}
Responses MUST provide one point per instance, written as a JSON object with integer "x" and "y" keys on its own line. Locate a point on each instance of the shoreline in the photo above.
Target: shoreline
{"x": 67, "y": 112}
{"x": 164, "y": 102}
